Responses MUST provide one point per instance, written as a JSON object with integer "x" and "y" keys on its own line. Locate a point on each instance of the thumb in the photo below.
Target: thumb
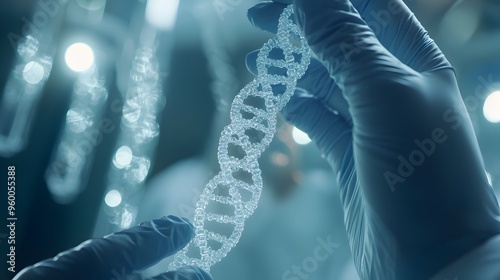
{"x": 119, "y": 253}
{"x": 344, "y": 43}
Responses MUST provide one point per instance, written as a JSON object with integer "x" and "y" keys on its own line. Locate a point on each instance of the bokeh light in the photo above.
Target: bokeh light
{"x": 491, "y": 109}
{"x": 79, "y": 57}
{"x": 123, "y": 157}
{"x": 162, "y": 13}
{"x": 113, "y": 198}
{"x": 300, "y": 137}
{"x": 280, "y": 159}
{"x": 33, "y": 72}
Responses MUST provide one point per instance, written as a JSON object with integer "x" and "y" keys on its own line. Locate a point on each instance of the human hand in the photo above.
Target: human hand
{"x": 382, "y": 104}
{"x": 121, "y": 255}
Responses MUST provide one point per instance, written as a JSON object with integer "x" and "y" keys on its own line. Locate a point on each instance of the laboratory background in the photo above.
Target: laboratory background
{"x": 111, "y": 111}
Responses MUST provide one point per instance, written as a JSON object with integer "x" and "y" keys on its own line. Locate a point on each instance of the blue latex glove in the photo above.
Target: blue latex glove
{"x": 382, "y": 104}
{"x": 121, "y": 255}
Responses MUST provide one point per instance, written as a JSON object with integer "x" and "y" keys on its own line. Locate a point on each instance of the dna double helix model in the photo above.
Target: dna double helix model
{"x": 233, "y": 194}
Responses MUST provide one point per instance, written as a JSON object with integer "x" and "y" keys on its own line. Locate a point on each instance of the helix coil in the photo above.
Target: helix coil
{"x": 238, "y": 186}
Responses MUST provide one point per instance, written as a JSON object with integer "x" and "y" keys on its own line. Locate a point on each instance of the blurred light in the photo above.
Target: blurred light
{"x": 300, "y": 137}
{"x": 138, "y": 170}
{"x": 488, "y": 176}
{"x": 63, "y": 190}
{"x": 280, "y": 159}
{"x": 113, "y": 198}
{"x": 78, "y": 119}
{"x": 33, "y": 72}
{"x": 28, "y": 48}
{"x": 491, "y": 109}
{"x": 91, "y": 5}
{"x": 127, "y": 218}
{"x": 123, "y": 157}
{"x": 460, "y": 23}
{"x": 79, "y": 57}
{"x": 162, "y": 13}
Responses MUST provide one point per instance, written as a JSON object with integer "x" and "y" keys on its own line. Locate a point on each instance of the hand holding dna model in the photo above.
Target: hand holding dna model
{"x": 238, "y": 186}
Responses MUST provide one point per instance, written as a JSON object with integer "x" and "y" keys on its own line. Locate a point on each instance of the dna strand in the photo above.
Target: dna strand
{"x": 237, "y": 187}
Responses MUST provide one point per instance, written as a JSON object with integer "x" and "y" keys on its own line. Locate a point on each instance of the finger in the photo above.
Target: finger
{"x": 401, "y": 33}
{"x": 265, "y": 15}
{"x": 316, "y": 81}
{"x": 392, "y": 22}
{"x": 345, "y": 44}
{"x": 184, "y": 273}
{"x": 120, "y": 253}
{"x": 330, "y": 132}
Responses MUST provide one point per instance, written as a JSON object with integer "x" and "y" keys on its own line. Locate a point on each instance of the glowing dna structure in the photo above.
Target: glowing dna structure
{"x": 231, "y": 188}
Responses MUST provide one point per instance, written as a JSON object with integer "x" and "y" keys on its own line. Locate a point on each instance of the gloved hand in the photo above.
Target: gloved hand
{"x": 121, "y": 255}
{"x": 382, "y": 104}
